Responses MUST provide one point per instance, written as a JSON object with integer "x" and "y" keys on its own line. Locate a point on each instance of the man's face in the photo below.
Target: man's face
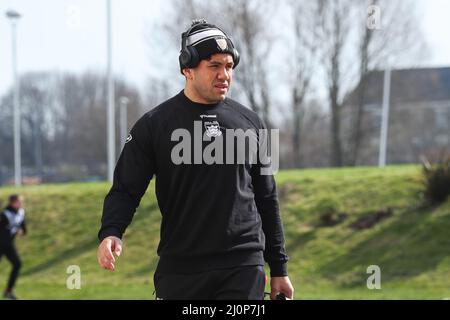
{"x": 211, "y": 79}
{"x": 18, "y": 203}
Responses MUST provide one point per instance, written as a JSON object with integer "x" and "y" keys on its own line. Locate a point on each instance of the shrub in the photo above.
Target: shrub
{"x": 436, "y": 180}
{"x": 328, "y": 210}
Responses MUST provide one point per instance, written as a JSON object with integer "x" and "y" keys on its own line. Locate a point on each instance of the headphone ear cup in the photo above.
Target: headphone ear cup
{"x": 185, "y": 58}
{"x": 193, "y": 57}
{"x": 236, "y": 58}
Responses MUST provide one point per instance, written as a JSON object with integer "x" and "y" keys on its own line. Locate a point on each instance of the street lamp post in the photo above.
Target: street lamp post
{"x": 13, "y": 17}
{"x": 110, "y": 112}
{"x": 385, "y": 118}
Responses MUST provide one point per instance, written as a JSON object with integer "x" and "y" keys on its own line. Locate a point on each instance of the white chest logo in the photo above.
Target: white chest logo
{"x": 212, "y": 129}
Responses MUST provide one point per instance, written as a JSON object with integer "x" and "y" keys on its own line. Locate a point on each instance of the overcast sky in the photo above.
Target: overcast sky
{"x": 70, "y": 35}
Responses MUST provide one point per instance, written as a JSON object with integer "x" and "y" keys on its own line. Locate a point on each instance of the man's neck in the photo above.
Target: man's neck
{"x": 194, "y": 97}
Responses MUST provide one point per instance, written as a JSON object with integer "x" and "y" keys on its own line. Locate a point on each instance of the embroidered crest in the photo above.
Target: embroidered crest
{"x": 212, "y": 129}
{"x": 221, "y": 43}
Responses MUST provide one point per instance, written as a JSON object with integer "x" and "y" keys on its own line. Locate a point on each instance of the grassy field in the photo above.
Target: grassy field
{"x": 412, "y": 246}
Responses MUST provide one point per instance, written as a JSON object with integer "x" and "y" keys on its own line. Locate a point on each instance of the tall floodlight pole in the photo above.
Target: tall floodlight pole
{"x": 385, "y": 118}
{"x": 110, "y": 113}
{"x": 123, "y": 119}
{"x": 13, "y": 17}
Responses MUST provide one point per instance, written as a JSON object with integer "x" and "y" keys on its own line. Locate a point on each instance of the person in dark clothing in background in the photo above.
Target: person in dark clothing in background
{"x": 12, "y": 223}
{"x": 220, "y": 221}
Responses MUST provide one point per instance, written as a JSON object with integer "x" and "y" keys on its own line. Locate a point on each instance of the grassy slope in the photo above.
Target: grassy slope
{"x": 412, "y": 247}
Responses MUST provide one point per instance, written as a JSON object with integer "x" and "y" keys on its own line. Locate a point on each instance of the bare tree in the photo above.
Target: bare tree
{"x": 255, "y": 39}
{"x": 305, "y": 47}
{"x": 35, "y": 111}
{"x": 246, "y": 22}
{"x": 396, "y": 37}
{"x": 334, "y": 35}
{"x": 366, "y": 39}
{"x": 63, "y": 124}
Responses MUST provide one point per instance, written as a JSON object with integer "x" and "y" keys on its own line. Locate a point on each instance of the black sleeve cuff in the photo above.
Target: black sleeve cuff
{"x": 111, "y": 231}
{"x": 278, "y": 269}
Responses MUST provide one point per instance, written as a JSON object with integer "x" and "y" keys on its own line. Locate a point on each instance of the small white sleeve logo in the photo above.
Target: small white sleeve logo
{"x": 128, "y": 138}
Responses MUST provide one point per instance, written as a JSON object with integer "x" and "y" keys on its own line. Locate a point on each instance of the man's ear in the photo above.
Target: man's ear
{"x": 188, "y": 73}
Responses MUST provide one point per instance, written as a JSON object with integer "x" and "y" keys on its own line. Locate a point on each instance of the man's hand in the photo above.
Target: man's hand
{"x": 105, "y": 252}
{"x": 281, "y": 285}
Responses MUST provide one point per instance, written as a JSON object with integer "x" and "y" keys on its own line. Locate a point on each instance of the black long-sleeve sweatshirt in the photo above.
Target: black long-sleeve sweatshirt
{"x": 11, "y": 220}
{"x": 213, "y": 215}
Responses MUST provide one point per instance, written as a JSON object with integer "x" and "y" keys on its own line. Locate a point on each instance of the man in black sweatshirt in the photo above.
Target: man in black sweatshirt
{"x": 12, "y": 222}
{"x": 219, "y": 206}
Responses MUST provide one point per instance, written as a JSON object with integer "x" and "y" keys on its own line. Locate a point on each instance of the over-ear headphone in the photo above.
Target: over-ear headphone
{"x": 189, "y": 57}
